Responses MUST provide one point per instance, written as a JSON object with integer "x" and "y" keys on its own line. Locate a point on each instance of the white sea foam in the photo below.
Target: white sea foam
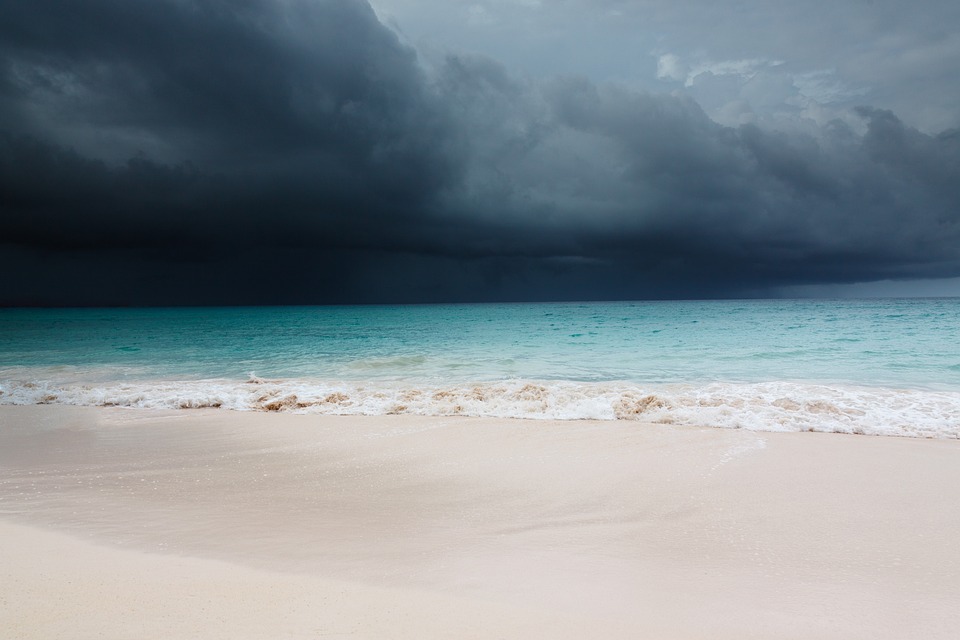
{"x": 768, "y": 406}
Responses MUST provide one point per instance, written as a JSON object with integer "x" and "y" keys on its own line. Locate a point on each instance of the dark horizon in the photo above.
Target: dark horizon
{"x": 858, "y": 298}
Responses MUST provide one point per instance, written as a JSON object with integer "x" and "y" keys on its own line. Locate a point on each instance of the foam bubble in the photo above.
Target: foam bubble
{"x": 768, "y": 406}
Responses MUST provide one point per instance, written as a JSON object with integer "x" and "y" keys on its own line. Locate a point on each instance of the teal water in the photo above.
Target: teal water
{"x": 580, "y": 355}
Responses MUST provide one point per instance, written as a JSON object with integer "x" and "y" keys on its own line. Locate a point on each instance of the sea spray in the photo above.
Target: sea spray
{"x": 771, "y": 406}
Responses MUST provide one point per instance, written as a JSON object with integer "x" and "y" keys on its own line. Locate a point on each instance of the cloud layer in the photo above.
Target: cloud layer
{"x": 179, "y": 152}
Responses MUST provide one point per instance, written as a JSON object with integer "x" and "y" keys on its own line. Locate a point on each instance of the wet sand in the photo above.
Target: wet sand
{"x": 131, "y": 523}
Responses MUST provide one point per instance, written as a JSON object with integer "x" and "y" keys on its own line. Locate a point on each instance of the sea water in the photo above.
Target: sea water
{"x": 878, "y": 366}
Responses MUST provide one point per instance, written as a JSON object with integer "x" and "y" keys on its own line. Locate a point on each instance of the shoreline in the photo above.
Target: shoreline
{"x": 511, "y": 527}
{"x": 771, "y": 406}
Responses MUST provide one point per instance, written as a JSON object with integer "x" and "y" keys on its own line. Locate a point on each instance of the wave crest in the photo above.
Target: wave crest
{"x": 769, "y": 406}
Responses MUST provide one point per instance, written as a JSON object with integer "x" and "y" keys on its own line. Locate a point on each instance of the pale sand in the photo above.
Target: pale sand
{"x": 213, "y": 524}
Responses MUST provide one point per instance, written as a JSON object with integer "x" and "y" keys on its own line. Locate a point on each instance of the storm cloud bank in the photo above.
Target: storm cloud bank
{"x": 180, "y": 152}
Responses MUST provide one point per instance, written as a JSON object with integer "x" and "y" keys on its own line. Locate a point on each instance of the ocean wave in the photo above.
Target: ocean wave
{"x": 767, "y": 406}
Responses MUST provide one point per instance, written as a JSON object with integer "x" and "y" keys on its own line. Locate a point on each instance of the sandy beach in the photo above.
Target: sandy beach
{"x": 120, "y": 523}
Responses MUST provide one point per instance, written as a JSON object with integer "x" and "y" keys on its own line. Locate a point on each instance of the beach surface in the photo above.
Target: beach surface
{"x": 121, "y": 523}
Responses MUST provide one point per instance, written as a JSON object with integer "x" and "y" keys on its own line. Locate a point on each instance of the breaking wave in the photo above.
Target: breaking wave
{"x": 767, "y": 406}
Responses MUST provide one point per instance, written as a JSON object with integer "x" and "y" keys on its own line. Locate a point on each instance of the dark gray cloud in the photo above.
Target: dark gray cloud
{"x": 764, "y": 61}
{"x": 178, "y": 152}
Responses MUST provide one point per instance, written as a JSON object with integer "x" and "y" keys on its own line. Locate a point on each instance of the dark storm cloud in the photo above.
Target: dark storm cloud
{"x": 237, "y": 85}
{"x": 217, "y": 152}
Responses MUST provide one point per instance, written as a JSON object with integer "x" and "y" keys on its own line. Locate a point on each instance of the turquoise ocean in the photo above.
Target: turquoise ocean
{"x": 878, "y": 366}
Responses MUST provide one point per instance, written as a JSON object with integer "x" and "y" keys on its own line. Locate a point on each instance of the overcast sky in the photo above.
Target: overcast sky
{"x": 327, "y": 151}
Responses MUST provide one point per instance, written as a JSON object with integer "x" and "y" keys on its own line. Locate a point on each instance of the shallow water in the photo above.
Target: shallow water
{"x": 871, "y": 366}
